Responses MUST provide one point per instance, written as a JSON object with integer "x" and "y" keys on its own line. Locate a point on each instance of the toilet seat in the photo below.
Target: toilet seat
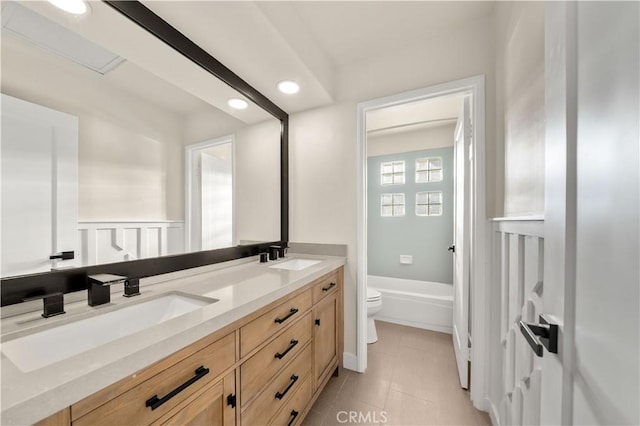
{"x": 373, "y": 295}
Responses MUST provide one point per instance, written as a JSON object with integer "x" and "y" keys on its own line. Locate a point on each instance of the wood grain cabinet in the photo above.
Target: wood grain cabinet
{"x": 266, "y": 368}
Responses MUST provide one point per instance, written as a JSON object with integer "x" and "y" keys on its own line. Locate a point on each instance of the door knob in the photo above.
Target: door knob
{"x": 539, "y": 335}
{"x": 452, "y": 248}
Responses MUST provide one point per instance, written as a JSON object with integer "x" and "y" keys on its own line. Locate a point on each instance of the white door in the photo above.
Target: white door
{"x": 591, "y": 213}
{"x": 39, "y": 149}
{"x": 462, "y": 244}
{"x": 216, "y": 201}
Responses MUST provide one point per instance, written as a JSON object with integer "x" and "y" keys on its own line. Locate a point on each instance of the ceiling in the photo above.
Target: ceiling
{"x": 265, "y": 42}
{"x": 309, "y": 41}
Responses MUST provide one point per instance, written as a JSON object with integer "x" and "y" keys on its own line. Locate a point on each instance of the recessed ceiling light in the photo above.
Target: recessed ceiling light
{"x": 237, "y": 103}
{"x": 289, "y": 87}
{"x": 75, "y": 7}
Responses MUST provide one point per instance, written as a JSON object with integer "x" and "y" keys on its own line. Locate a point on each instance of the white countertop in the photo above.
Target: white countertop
{"x": 242, "y": 287}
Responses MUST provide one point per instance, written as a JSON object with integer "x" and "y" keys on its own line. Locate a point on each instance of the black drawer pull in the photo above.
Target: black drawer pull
{"x": 292, "y": 312}
{"x": 280, "y": 395}
{"x": 292, "y": 344}
{"x": 329, "y": 287}
{"x": 294, "y": 414}
{"x": 155, "y": 402}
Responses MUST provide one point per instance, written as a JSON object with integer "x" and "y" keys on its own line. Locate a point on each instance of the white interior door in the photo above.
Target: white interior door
{"x": 216, "y": 202}
{"x": 606, "y": 363}
{"x": 591, "y": 213}
{"x": 39, "y": 186}
{"x": 462, "y": 244}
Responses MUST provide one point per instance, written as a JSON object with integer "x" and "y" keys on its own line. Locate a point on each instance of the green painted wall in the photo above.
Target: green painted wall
{"x": 426, "y": 238}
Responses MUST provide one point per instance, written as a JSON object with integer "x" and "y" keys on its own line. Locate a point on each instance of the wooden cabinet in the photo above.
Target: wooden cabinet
{"x": 212, "y": 406}
{"x": 266, "y": 368}
{"x": 269, "y": 324}
{"x": 325, "y": 338}
{"x": 160, "y": 394}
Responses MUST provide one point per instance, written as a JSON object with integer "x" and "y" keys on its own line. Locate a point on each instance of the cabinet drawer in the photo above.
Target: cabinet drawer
{"x": 325, "y": 286}
{"x": 130, "y": 407}
{"x": 257, "y": 371}
{"x": 292, "y": 410}
{"x": 279, "y": 391}
{"x": 265, "y": 326}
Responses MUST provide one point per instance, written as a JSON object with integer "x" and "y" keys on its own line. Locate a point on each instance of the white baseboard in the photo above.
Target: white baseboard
{"x": 350, "y": 361}
{"x": 424, "y": 326}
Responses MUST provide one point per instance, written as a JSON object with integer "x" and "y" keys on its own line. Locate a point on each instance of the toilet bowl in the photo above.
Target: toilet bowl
{"x": 374, "y": 304}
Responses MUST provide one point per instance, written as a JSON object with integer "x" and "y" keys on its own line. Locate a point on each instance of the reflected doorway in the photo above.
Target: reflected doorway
{"x": 210, "y": 200}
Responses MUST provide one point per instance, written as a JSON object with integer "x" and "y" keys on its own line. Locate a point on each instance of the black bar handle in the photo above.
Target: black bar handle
{"x": 291, "y": 346}
{"x": 452, "y": 248}
{"x": 541, "y": 335}
{"x": 329, "y": 287}
{"x": 294, "y": 414}
{"x": 291, "y": 313}
{"x": 155, "y": 402}
{"x": 294, "y": 379}
{"x": 531, "y": 338}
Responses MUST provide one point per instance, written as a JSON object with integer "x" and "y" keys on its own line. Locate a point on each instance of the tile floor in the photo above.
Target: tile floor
{"x": 411, "y": 379}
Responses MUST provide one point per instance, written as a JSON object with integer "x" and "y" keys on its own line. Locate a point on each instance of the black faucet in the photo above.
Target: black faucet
{"x": 99, "y": 292}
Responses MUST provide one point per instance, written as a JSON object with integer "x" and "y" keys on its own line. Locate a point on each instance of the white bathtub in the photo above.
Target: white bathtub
{"x": 419, "y": 304}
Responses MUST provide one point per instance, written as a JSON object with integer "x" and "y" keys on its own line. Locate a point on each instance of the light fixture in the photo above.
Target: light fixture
{"x": 75, "y": 7}
{"x": 237, "y": 103}
{"x": 289, "y": 87}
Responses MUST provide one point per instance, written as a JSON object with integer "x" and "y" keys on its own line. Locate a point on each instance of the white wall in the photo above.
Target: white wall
{"x": 412, "y": 140}
{"x": 520, "y": 104}
{"x": 258, "y": 182}
{"x": 323, "y": 160}
{"x": 130, "y": 151}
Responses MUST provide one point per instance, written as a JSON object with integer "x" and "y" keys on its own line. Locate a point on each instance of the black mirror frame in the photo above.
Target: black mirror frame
{"x": 16, "y": 289}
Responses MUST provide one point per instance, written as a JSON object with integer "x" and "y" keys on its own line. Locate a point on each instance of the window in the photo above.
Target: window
{"x": 429, "y": 203}
{"x": 429, "y": 169}
{"x": 392, "y": 173}
{"x": 391, "y": 205}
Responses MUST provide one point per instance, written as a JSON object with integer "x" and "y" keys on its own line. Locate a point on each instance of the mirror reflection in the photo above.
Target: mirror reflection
{"x": 115, "y": 147}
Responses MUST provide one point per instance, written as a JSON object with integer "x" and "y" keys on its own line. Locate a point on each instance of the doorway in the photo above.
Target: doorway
{"x": 473, "y": 89}
{"x": 210, "y": 201}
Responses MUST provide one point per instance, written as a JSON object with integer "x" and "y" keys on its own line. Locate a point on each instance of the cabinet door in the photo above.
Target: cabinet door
{"x": 325, "y": 337}
{"x": 211, "y": 407}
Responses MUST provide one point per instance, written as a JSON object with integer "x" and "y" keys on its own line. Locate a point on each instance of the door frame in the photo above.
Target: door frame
{"x": 479, "y": 303}
{"x": 188, "y": 173}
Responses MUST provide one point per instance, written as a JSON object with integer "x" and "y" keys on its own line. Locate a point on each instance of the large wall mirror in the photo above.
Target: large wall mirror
{"x": 119, "y": 148}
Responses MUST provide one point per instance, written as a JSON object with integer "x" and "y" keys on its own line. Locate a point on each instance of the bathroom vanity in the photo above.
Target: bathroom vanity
{"x": 260, "y": 354}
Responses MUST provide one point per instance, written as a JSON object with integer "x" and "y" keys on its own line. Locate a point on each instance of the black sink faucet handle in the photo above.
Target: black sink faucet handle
{"x": 273, "y": 252}
{"x": 52, "y": 303}
{"x": 63, "y": 255}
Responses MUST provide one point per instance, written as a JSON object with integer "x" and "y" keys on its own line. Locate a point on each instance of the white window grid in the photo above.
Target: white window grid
{"x": 429, "y": 169}
{"x": 392, "y": 173}
{"x": 392, "y": 205}
{"x": 429, "y": 203}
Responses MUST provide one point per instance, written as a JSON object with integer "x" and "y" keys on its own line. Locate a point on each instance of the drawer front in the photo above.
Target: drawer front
{"x": 131, "y": 406}
{"x": 258, "y": 370}
{"x": 292, "y": 410}
{"x": 279, "y": 391}
{"x": 265, "y": 326}
{"x": 325, "y": 286}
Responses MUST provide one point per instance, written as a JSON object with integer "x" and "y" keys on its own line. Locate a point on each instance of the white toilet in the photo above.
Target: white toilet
{"x": 374, "y": 304}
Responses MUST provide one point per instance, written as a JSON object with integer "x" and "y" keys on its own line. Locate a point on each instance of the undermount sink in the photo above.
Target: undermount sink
{"x": 295, "y": 264}
{"x": 47, "y": 347}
